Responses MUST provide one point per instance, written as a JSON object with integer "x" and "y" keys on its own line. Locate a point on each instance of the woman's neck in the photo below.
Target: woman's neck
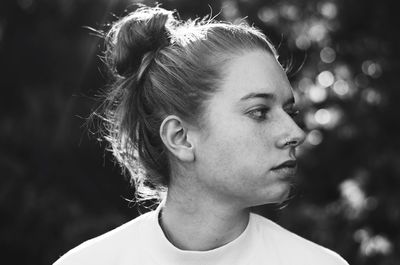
{"x": 199, "y": 224}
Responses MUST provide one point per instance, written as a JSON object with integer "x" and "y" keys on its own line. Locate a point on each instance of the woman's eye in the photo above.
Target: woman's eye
{"x": 259, "y": 114}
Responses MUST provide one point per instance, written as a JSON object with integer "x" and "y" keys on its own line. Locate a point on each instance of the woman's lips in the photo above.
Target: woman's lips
{"x": 287, "y": 169}
{"x": 288, "y": 163}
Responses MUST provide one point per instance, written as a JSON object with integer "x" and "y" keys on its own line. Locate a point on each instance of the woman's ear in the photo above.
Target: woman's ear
{"x": 174, "y": 135}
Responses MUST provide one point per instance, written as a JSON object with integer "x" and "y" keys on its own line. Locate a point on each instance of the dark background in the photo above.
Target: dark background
{"x": 59, "y": 187}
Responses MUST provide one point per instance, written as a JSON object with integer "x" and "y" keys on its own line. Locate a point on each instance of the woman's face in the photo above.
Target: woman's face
{"x": 249, "y": 131}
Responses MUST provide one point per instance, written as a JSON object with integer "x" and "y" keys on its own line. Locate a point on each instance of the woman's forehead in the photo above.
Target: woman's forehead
{"x": 255, "y": 72}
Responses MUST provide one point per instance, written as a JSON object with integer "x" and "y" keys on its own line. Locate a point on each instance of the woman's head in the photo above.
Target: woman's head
{"x": 167, "y": 71}
{"x": 250, "y": 134}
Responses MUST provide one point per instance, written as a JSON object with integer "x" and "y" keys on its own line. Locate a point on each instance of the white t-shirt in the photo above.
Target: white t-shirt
{"x": 142, "y": 241}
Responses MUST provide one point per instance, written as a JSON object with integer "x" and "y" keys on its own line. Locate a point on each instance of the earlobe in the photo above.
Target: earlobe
{"x": 174, "y": 136}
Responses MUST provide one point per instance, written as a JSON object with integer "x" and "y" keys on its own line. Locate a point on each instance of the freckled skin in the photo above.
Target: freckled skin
{"x": 235, "y": 153}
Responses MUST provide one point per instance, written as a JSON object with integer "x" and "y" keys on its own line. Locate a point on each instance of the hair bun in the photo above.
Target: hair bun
{"x": 144, "y": 30}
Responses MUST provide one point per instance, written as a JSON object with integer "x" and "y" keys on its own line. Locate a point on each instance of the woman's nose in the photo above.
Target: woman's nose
{"x": 293, "y": 135}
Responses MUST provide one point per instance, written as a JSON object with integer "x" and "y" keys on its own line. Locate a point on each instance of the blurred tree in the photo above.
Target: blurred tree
{"x": 58, "y": 187}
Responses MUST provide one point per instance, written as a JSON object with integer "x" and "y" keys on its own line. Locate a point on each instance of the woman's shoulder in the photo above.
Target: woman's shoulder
{"x": 293, "y": 247}
{"x": 108, "y": 247}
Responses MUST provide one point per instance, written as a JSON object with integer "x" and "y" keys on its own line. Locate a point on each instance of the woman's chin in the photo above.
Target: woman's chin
{"x": 277, "y": 197}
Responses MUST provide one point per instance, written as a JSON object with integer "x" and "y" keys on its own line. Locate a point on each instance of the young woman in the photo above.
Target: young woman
{"x": 200, "y": 113}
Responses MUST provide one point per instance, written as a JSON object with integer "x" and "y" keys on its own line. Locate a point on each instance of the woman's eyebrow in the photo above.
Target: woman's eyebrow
{"x": 267, "y": 96}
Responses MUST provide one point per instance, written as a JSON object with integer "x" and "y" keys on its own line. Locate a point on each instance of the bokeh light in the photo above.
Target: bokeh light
{"x": 343, "y": 71}
{"x": 327, "y": 118}
{"x": 230, "y": 10}
{"x": 325, "y": 78}
{"x": 354, "y": 197}
{"x": 371, "y": 68}
{"x": 323, "y": 116}
{"x": 267, "y": 15}
{"x": 317, "y": 93}
{"x": 372, "y": 96}
{"x": 314, "y": 137}
{"x": 328, "y": 55}
{"x": 341, "y": 88}
{"x": 371, "y": 245}
{"x": 328, "y": 10}
{"x": 303, "y": 42}
{"x": 317, "y": 31}
{"x": 290, "y": 12}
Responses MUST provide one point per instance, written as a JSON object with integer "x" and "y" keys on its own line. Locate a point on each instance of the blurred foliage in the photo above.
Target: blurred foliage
{"x": 58, "y": 187}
